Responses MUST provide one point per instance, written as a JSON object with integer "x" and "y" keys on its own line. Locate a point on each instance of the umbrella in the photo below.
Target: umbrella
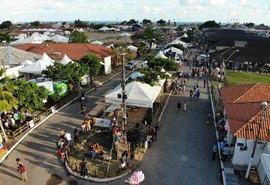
{"x": 136, "y": 178}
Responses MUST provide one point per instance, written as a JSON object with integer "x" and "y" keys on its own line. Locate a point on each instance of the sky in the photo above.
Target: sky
{"x": 224, "y": 11}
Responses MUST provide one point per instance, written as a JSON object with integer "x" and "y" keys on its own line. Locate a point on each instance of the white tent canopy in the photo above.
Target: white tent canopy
{"x": 125, "y": 34}
{"x": 138, "y": 94}
{"x": 178, "y": 41}
{"x": 27, "y": 62}
{"x": 97, "y": 42}
{"x": 65, "y": 60}
{"x": 265, "y": 160}
{"x": 133, "y": 48}
{"x": 39, "y": 66}
{"x": 59, "y": 38}
{"x": 176, "y": 50}
{"x": 104, "y": 28}
{"x": 160, "y": 55}
{"x": 185, "y": 35}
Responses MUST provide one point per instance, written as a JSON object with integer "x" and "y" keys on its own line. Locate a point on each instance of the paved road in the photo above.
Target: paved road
{"x": 181, "y": 155}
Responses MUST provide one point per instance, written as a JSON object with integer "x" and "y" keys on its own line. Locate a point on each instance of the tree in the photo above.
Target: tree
{"x": 5, "y": 37}
{"x": 166, "y": 64}
{"x": 149, "y": 36}
{"x": 6, "y": 24}
{"x": 72, "y": 72}
{"x": 209, "y": 24}
{"x": 161, "y": 22}
{"x": 93, "y": 62}
{"x": 131, "y": 21}
{"x": 78, "y": 37}
{"x": 80, "y": 24}
{"x": 147, "y": 22}
{"x": 35, "y": 23}
{"x": 7, "y": 101}
{"x": 250, "y": 24}
{"x": 29, "y": 94}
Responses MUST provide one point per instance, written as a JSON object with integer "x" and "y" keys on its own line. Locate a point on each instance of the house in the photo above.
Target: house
{"x": 243, "y": 113}
{"x": 75, "y": 51}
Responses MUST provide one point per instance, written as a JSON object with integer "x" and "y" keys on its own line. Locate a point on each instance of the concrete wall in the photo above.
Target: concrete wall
{"x": 242, "y": 157}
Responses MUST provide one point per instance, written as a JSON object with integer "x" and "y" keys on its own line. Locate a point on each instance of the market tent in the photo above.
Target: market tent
{"x": 104, "y": 28}
{"x": 39, "y": 66}
{"x": 133, "y": 48}
{"x": 138, "y": 94}
{"x": 160, "y": 55}
{"x": 125, "y": 34}
{"x": 185, "y": 35}
{"x": 178, "y": 41}
{"x": 65, "y": 60}
{"x": 59, "y": 38}
{"x": 176, "y": 50}
{"x": 97, "y": 42}
{"x": 13, "y": 56}
{"x": 27, "y": 62}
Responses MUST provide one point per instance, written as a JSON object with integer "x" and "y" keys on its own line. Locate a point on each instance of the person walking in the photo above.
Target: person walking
{"x": 204, "y": 83}
{"x": 179, "y": 105}
{"x": 225, "y": 152}
{"x": 83, "y": 166}
{"x": 190, "y": 94}
{"x": 214, "y": 153}
{"x": 185, "y": 106}
{"x": 198, "y": 94}
{"x": 22, "y": 172}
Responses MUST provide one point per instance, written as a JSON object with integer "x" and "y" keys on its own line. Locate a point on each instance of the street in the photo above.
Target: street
{"x": 181, "y": 155}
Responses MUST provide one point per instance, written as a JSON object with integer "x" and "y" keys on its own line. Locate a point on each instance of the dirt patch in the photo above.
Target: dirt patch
{"x": 55, "y": 179}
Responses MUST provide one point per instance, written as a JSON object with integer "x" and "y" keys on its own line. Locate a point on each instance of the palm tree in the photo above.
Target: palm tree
{"x": 7, "y": 101}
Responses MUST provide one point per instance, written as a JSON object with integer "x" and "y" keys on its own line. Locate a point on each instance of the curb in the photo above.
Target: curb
{"x": 93, "y": 178}
{"x": 49, "y": 116}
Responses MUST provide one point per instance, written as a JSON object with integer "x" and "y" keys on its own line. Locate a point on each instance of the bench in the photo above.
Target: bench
{"x": 18, "y": 131}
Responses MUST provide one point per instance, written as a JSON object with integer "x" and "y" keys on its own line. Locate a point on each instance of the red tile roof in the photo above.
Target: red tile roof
{"x": 243, "y": 109}
{"x": 75, "y": 51}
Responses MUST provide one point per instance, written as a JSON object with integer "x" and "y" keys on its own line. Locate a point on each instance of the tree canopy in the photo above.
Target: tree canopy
{"x": 80, "y": 24}
{"x": 209, "y": 24}
{"x": 131, "y": 21}
{"x": 78, "y": 37}
{"x": 35, "y": 23}
{"x": 6, "y": 24}
{"x": 29, "y": 94}
{"x": 149, "y": 35}
{"x": 5, "y": 37}
{"x": 161, "y": 22}
{"x": 147, "y": 22}
{"x": 93, "y": 63}
{"x": 7, "y": 101}
{"x": 70, "y": 72}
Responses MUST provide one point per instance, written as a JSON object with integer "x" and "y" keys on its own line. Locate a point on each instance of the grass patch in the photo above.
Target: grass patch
{"x": 238, "y": 78}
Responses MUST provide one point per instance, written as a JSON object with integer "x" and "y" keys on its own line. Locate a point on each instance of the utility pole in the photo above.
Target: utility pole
{"x": 264, "y": 106}
{"x": 124, "y": 96}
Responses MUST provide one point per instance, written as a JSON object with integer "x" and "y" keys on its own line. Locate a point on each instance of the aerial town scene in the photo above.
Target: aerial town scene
{"x": 132, "y": 92}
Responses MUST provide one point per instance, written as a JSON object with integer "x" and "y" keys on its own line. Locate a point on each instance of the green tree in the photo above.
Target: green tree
{"x": 6, "y": 24}
{"x": 35, "y": 23}
{"x": 161, "y": 22}
{"x": 166, "y": 64}
{"x": 7, "y": 101}
{"x": 78, "y": 37}
{"x": 131, "y": 21}
{"x": 93, "y": 62}
{"x": 80, "y": 24}
{"x": 147, "y": 22}
{"x": 29, "y": 94}
{"x": 209, "y": 24}
{"x": 5, "y": 37}
{"x": 72, "y": 72}
{"x": 149, "y": 36}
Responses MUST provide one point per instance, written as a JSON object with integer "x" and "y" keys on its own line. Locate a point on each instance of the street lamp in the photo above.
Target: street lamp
{"x": 223, "y": 65}
{"x": 264, "y": 106}
{"x": 124, "y": 96}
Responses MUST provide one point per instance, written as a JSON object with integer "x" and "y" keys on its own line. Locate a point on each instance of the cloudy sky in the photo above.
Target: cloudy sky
{"x": 224, "y": 11}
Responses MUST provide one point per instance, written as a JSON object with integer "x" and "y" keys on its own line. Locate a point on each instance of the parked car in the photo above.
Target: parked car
{"x": 131, "y": 65}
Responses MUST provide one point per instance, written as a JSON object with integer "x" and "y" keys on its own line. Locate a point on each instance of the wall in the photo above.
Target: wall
{"x": 242, "y": 157}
